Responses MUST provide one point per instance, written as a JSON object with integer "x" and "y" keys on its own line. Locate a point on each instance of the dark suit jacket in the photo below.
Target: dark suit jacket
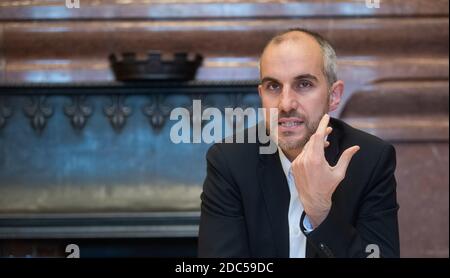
{"x": 245, "y": 202}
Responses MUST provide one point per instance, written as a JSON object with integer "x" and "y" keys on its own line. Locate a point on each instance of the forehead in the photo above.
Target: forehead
{"x": 292, "y": 57}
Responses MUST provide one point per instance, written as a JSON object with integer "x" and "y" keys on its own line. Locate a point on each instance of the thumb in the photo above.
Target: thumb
{"x": 345, "y": 158}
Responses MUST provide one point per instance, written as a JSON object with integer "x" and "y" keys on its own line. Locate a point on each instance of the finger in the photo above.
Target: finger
{"x": 322, "y": 128}
{"x": 306, "y": 148}
{"x": 300, "y": 155}
{"x": 345, "y": 158}
{"x": 318, "y": 138}
{"x": 329, "y": 130}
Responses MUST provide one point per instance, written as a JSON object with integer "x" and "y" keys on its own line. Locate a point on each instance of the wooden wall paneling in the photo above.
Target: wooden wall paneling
{"x": 188, "y": 9}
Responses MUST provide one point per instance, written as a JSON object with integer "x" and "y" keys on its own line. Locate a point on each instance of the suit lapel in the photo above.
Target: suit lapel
{"x": 276, "y": 195}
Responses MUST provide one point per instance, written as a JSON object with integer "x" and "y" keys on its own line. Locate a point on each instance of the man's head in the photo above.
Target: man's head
{"x": 298, "y": 77}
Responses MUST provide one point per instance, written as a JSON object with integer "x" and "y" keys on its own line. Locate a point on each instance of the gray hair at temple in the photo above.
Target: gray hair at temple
{"x": 329, "y": 55}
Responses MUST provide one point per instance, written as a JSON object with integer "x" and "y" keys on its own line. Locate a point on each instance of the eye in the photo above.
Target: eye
{"x": 302, "y": 84}
{"x": 272, "y": 86}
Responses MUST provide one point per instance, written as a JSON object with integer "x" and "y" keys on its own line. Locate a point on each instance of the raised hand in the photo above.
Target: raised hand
{"x": 314, "y": 178}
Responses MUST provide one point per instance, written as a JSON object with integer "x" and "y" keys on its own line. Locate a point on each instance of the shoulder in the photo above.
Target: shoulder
{"x": 243, "y": 153}
{"x": 376, "y": 157}
{"x": 237, "y": 152}
{"x": 350, "y": 136}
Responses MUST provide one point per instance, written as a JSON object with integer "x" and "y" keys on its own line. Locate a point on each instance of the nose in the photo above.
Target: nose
{"x": 288, "y": 100}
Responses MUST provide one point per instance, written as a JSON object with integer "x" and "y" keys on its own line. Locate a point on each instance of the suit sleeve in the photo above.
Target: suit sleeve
{"x": 222, "y": 232}
{"x": 376, "y": 224}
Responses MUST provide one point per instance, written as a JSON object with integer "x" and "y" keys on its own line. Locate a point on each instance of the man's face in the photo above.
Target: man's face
{"x": 292, "y": 80}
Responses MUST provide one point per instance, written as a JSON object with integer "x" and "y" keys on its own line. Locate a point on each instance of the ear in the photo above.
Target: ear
{"x": 337, "y": 90}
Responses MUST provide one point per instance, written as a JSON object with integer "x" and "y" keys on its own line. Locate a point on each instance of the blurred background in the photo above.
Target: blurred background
{"x": 87, "y": 160}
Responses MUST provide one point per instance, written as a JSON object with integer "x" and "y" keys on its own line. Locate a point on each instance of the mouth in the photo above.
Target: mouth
{"x": 289, "y": 124}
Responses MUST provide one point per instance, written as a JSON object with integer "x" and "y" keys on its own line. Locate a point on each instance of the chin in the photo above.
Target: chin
{"x": 291, "y": 143}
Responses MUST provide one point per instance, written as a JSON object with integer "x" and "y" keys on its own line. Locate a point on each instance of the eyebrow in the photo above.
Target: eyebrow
{"x": 298, "y": 77}
{"x": 306, "y": 76}
{"x": 267, "y": 79}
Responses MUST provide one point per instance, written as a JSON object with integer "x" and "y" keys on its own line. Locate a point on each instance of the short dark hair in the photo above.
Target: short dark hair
{"x": 329, "y": 55}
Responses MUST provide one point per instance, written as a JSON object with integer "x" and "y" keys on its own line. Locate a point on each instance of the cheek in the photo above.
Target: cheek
{"x": 315, "y": 106}
{"x": 269, "y": 101}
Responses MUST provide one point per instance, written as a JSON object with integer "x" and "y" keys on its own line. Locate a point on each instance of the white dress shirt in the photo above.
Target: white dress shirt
{"x": 297, "y": 240}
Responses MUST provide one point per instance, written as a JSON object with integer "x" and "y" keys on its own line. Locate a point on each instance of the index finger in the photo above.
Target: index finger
{"x": 322, "y": 128}
{"x": 319, "y": 136}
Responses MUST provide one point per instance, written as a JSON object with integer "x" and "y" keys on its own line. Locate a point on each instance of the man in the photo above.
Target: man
{"x": 329, "y": 191}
